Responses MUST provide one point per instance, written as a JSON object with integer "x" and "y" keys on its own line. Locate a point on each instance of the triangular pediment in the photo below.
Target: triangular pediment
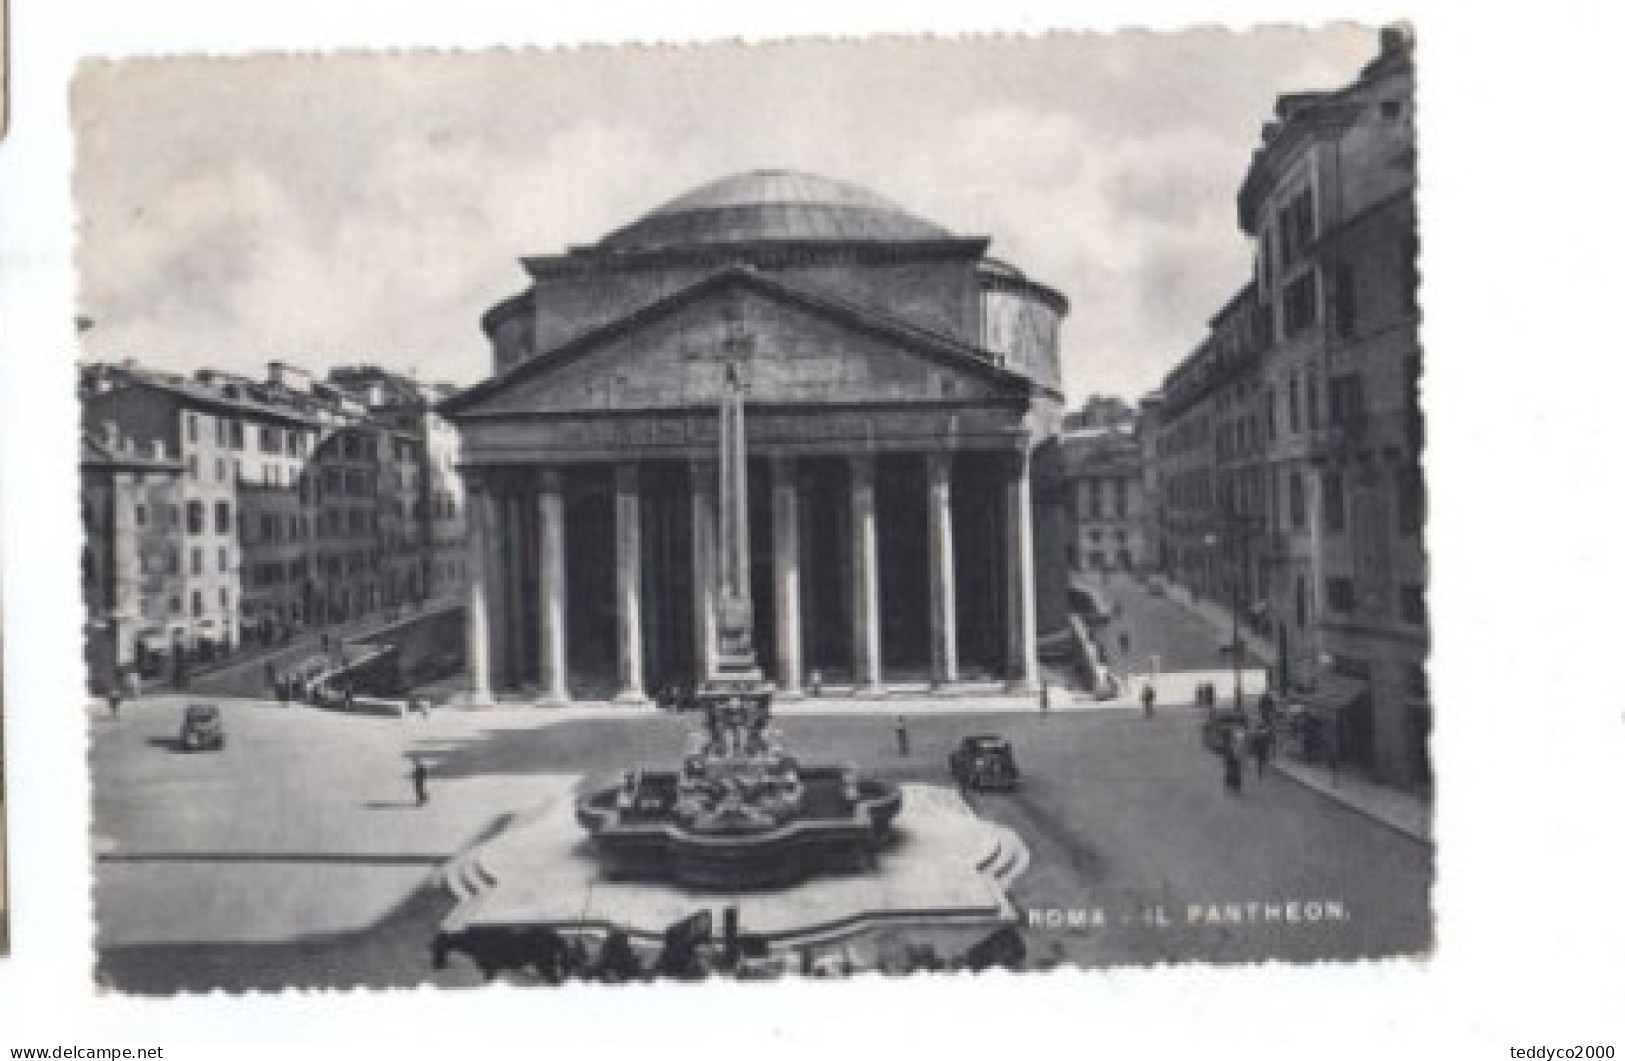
{"x": 792, "y": 348}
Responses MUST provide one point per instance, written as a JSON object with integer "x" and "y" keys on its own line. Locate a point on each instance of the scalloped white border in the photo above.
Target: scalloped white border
{"x": 1521, "y": 216}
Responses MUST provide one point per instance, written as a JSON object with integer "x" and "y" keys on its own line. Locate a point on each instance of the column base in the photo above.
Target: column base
{"x": 632, "y": 698}
{"x": 551, "y": 701}
{"x": 866, "y": 691}
{"x": 481, "y": 699}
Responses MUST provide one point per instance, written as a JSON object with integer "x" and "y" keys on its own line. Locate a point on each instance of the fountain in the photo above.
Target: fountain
{"x": 739, "y": 811}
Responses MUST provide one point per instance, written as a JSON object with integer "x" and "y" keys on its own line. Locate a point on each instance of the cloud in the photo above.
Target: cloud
{"x": 371, "y": 208}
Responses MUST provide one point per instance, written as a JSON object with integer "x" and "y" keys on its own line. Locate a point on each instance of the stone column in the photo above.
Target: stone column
{"x": 551, "y": 608}
{"x": 629, "y": 582}
{"x": 865, "y": 578}
{"x": 939, "y": 477}
{"x": 497, "y": 589}
{"x": 703, "y": 492}
{"x": 1019, "y": 575}
{"x": 513, "y": 528}
{"x": 478, "y": 618}
{"x": 787, "y": 573}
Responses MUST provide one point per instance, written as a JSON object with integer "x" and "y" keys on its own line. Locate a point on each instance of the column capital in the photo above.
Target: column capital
{"x": 549, "y": 478}
{"x": 863, "y": 467}
{"x": 626, "y": 476}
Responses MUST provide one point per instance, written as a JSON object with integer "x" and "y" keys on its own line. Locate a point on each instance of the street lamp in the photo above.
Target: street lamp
{"x": 1212, "y": 540}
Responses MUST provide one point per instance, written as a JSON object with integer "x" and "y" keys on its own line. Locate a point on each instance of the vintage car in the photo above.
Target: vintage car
{"x": 202, "y": 729}
{"x": 985, "y": 761}
{"x": 1220, "y": 728}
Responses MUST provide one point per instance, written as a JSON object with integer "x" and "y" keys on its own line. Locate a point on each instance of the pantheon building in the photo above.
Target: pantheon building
{"x": 902, "y": 395}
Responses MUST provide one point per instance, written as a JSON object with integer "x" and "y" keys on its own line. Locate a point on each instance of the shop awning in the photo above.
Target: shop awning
{"x": 1333, "y": 693}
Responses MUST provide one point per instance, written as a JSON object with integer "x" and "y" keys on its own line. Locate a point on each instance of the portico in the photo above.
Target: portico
{"x": 602, "y": 568}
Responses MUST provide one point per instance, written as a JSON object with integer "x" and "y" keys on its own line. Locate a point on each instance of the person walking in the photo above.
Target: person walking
{"x": 902, "y": 737}
{"x": 1232, "y": 768}
{"x": 1148, "y": 699}
{"x": 1261, "y": 743}
{"x": 420, "y": 780}
{"x": 1043, "y": 696}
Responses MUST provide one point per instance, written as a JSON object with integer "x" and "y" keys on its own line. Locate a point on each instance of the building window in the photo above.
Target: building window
{"x": 220, "y": 469}
{"x": 1297, "y": 222}
{"x": 174, "y": 606}
{"x": 1347, "y": 394}
{"x": 1411, "y": 508}
{"x": 222, "y": 517}
{"x": 191, "y": 466}
{"x": 194, "y": 517}
{"x": 1294, "y": 421}
{"x": 1333, "y": 510}
{"x": 237, "y": 434}
{"x": 1097, "y": 560}
{"x": 1412, "y": 605}
{"x": 1311, "y": 390}
{"x": 191, "y": 427}
{"x": 1298, "y": 304}
{"x": 1343, "y": 301}
{"x": 175, "y": 560}
{"x": 1340, "y": 595}
{"x": 225, "y": 560}
{"x": 1300, "y": 602}
{"x": 197, "y": 604}
{"x": 221, "y": 431}
{"x": 1295, "y": 500}
{"x": 141, "y": 515}
{"x": 225, "y": 599}
{"x": 197, "y": 560}
{"x": 1122, "y": 498}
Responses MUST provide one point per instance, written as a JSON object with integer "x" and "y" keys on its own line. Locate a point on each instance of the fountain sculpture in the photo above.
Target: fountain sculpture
{"x": 740, "y": 812}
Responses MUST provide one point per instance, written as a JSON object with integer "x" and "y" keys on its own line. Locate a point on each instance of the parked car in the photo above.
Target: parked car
{"x": 985, "y": 761}
{"x": 202, "y": 729}
{"x": 1220, "y": 726}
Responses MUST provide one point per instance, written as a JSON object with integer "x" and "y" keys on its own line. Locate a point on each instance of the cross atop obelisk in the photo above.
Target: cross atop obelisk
{"x": 736, "y": 655}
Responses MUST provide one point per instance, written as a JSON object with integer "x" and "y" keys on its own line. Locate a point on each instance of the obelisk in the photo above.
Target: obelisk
{"x": 737, "y": 669}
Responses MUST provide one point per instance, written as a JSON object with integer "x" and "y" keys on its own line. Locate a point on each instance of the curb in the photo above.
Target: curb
{"x": 1357, "y": 807}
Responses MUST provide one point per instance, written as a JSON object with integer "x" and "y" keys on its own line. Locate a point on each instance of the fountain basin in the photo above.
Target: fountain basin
{"x": 838, "y": 824}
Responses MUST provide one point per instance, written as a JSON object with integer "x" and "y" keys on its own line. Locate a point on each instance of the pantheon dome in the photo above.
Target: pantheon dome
{"x": 773, "y": 206}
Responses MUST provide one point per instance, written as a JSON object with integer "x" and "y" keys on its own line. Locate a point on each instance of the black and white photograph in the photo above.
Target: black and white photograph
{"x": 557, "y": 516}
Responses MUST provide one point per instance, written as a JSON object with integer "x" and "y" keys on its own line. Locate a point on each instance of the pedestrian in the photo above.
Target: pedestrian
{"x": 349, "y": 697}
{"x": 270, "y": 677}
{"x": 1266, "y": 708}
{"x": 1148, "y": 699}
{"x": 113, "y": 693}
{"x": 420, "y": 780}
{"x": 1262, "y": 742}
{"x": 1122, "y": 642}
{"x": 1232, "y": 768}
{"x": 1043, "y": 696}
{"x": 902, "y": 738}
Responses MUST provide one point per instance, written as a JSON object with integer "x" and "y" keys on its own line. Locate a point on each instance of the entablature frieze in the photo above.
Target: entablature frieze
{"x": 554, "y": 439}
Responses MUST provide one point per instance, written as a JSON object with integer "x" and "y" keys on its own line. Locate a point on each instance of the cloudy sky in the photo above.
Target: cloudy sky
{"x": 360, "y": 208}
